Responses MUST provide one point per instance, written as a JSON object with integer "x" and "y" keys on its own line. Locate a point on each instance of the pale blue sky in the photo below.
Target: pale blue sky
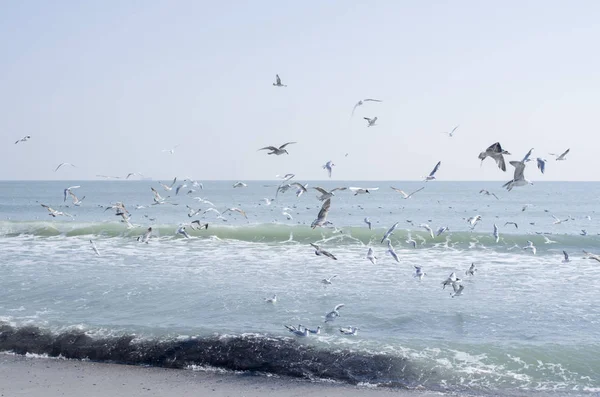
{"x": 108, "y": 85}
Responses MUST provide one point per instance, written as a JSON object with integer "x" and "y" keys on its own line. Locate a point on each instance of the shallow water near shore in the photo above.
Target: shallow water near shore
{"x": 524, "y": 323}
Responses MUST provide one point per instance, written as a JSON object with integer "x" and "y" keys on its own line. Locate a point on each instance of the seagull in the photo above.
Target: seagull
{"x": 488, "y": 193}
{"x": 441, "y": 230}
{"x": 62, "y": 164}
{"x": 541, "y": 164}
{"x": 519, "y": 177}
{"x": 316, "y": 331}
{"x": 548, "y": 241}
{"x": 334, "y": 313}
{"x": 327, "y": 194}
{"x": 146, "y": 236}
{"x": 473, "y": 220}
{"x": 496, "y": 152}
{"x": 410, "y": 241}
{"x": 458, "y": 289}
{"x": 95, "y": 248}
{"x": 431, "y": 175}
{"x": 525, "y": 207}
{"x": 76, "y": 201}
{"x": 182, "y": 231}
{"x": 451, "y": 133}
{"x": 427, "y": 227}
{"x": 239, "y": 184}
{"x": 591, "y": 256}
{"x": 54, "y": 213}
{"x": 133, "y": 173}
{"x": 450, "y": 280}
{"x": 371, "y": 256}
{"x": 419, "y": 273}
{"x": 319, "y": 251}
{"x": 296, "y": 331}
{"x": 199, "y": 225}
{"x": 277, "y": 82}
{"x": 566, "y": 260}
{"x": 301, "y": 188}
{"x": 277, "y": 150}
{"x": 192, "y": 211}
{"x": 328, "y": 166}
{"x": 286, "y": 177}
{"x": 404, "y": 195}
{"x": 558, "y": 221}
{"x": 272, "y": 299}
{"x": 235, "y": 209}
{"x": 361, "y": 102}
{"x": 157, "y": 197}
{"x": 360, "y": 190}
{"x": 512, "y": 223}
{"x": 322, "y": 216}
{"x": 168, "y": 188}
{"x": 496, "y": 234}
{"x": 368, "y": 222}
{"x": 349, "y": 330}
{"x": 583, "y": 232}
{"x": 389, "y": 232}
{"x": 471, "y": 271}
{"x": 530, "y": 246}
{"x": 24, "y": 139}
{"x": 392, "y": 252}
{"x": 287, "y": 215}
{"x": 327, "y": 281}
{"x": 267, "y": 201}
{"x": 67, "y": 191}
{"x": 181, "y": 186}
{"x": 371, "y": 122}
{"x": 170, "y": 151}
{"x": 560, "y": 157}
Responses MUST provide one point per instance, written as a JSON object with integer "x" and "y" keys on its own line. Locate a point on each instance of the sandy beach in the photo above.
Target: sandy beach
{"x": 26, "y": 376}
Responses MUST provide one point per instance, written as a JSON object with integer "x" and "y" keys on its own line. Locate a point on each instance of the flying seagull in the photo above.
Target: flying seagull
{"x": 392, "y": 251}
{"x": 360, "y": 190}
{"x": 361, "y": 102}
{"x": 404, "y": 195}
{"x": 334, "y": 313}
{"x": 54, "y": 213}
{"x": 389, "y": 232}
{"x": 327, "y": 281}
{"x": 541, "y": 164}
{"x": 322, "y": 216}
{"x": 239, "y": 184}
{"x": 471, "y": 271}
{"x": 371, "y": 122}
{"x": 496, "y": 234}
{"x": 368, "y": 222}
{"x": 431, "y": 175}
{"x": 458, "y": 289}
{"x": 560, "y": 157}
{"x": 277, "y": 82}
{"x": 24, "y": 139}
{"x": 67, "y": 191}
{"x": 94, "y": 247}
{"x": 168, "y": 187}
{"x": 451, "y": 133}
{"x": 512, "y": 223}
{"x": 170, "y": 151}
{"x": 146, "y": 236}
{"x": 326, "y": 194}
{"x": 63, "y": 164}
{"x": 530, "y": 246}
{"x": 451, "y": 280}
{"x": 182, "y": 231}
{"x": 328, "y": 166}
{"x": 566, "y": 260}
{"x": 277, "y": 150}
{"x": 235, "y": 209}
{"x": 496, "y": 152}
{"x": 419, "y": 273}
{"x": 487, "y": 193}
{"x": 319, "y": 251}
{"x": 518, "y": 177}
{"x": 371, "y": 256}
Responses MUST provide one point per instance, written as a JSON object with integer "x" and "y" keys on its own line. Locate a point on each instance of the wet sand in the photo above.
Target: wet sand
{"x": 26, "y": 376}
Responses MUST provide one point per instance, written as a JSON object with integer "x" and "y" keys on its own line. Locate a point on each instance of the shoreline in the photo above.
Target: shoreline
{"x": 52, "y": 377}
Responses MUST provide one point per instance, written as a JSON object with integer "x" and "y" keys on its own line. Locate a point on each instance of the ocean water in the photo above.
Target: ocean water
{"x": 525, "y": 323}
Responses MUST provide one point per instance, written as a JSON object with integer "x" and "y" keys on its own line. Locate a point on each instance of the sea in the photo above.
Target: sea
{"x": 526, "y": 323}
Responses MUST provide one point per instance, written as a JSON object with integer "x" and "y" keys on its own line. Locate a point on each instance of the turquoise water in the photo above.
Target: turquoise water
{"x": 524, "y": 322}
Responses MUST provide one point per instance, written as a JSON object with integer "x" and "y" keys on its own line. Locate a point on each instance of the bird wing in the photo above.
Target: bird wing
{"x": 339, "y": 188}
{"x": 519, "y": 168}
{"x": 566, "y": 255}
{"x": 437, "y": 166}
{"x": 418, "y": 190}
{"x": 269, "y": 148}
{"x": 285, "y": 144}
{"x": 527, "y": 155}
{"x": 300, "y": 186}
{"x": 173, "y": 183}
{"x": 494, "y": 148}
{"x": 328, "y": 254}
{"x": 321, "y": 190}
{"x": 277, "y": 79}
{"x": 372, "y": 100}
{"x": 368, "y": 119}
{"x": 324, "y": 210}
{"x": 541, "y": 164}
{"x": 338, "y": 307}
{"x": 500, "y": 162}
{"x": 564, "y": 154}
{"x": 454, "y": 129}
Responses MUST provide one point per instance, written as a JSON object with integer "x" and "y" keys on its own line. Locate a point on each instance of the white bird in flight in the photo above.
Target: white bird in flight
{"x": 334, "y": 313}
{"x": 168, "y": 187}
{"x": 277, "y": 150}
{"x": 530, "y": 246}
{"x": 392, "y": 252}
{"x": 361, "y": 190}
{"x": 362, "y": 102}
{"x": 24, "y": 139}
{"x": 371, "y": 256}
{"x": 239, "y": 184}
{"x": 277, "y": 82}
{"x": 419, "y": 273}
{"x": 368, "y": 222}
{"x": 404, "y": 195}
{"x": 322, "y": 216}
{"x": 431, "y": 175}
{"x": 329, "y": 167}
{"x": 170, "y": 151}
{"x": 63, "y": 164}
{"x": 389, "y": 232}
{"x": 326, "y": 194}
{"x": 371, "y": 122}
{"x": 94, "y": 247}
{"x": 451, "y": 133}
{"x": 496, "y": 152}
{"x": 561, "y": 156}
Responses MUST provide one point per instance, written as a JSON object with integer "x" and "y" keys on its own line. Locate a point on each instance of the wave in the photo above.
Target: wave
{"x": 255, "y": 353}
{"x": 279, "y": 233}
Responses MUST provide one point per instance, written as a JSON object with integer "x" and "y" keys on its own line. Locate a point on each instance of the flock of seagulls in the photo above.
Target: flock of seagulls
{"x": 494, "y": 151}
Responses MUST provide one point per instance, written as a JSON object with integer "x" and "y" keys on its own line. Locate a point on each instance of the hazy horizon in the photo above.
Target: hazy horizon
{"x": 108, "y": 86}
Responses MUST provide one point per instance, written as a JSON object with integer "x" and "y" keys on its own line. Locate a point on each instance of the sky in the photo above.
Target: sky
{"x": 109, "y": 85}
